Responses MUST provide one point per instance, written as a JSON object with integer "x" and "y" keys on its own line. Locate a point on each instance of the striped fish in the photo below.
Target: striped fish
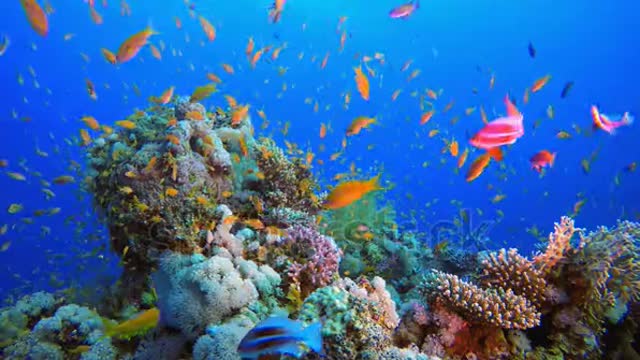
{"x": 280, "y": 335}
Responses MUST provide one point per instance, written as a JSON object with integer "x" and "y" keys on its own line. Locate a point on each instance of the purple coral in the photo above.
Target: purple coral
{"x": 316, "y": 257}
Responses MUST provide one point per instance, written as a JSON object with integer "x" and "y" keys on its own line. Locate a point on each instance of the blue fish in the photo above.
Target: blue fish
{"x": 280, "y": 335}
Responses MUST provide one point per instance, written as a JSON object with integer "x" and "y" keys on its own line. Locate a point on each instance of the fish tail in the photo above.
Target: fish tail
{"x": 416, "y": 4}
{"x": 553, "y": 159}
{"x": 312, "y": 336}
{"x": 627, "y": 118}
{"x": 150, "y": 28}
{"x": 375, "y": 182}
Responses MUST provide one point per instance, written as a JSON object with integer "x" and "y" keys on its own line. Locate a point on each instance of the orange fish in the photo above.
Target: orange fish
{"x": 165, "y": 97}
{"x": 540, "y": 83}
{"x": 478, "y": 166}
{"x": 109, "y": 56}
{"x": 359, "y": 123}
{"x": 228, "y": 69}
{"x": 239, "y": 113}
{"x": 155, "y": 52}
{"x": 209, "y": 30}
{"x": 453, "y": 148}
{"x": 214, "y": 78}
{"x": 131, "y": 47}
{"x": 323, "y": 131}
{"x": 426, "y": 117}
{"x": 463, "y": 158}
{"x": 250, "y": 45}
{"x": 36, "y": 16}
{"x": 362, "y": 83}
{"x": 349, "y": 192}
{"x": 91, "y": 122}
{"x": 324, "y": 61}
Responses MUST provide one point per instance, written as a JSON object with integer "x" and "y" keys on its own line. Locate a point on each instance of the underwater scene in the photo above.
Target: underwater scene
{"x": 337, "y": 179}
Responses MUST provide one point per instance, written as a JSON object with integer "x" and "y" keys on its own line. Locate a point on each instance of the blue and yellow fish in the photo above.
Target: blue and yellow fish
{"x": 280, "y": 335}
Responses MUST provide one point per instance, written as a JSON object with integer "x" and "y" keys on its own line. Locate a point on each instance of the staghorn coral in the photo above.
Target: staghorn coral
{"x": 287, "y": 182}
{"x": 509, "y": 270}
{"x": 493, "y": 307}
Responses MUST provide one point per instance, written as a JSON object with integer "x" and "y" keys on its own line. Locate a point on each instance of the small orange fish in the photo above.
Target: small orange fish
{"x": 239, "y": 113}
{"x": 362, "y": 83}
{"x": 131, "y": 47}
{"x": 453, "y": 148}
{"x": 478, "y": 166}
{"x": 95, "y": 16}
{"x": 323, "y": 131}
{"x": 166, "y": 96}
{"x": 359, "y": 123}
{"x": 208, "y": 29}
{"x": 348, "y": 192}
{"x": 540, "y": 83}
{"x": 214, "y": 78}
{"x": 463, "y": 158}
{"x": 228, "y": 69}
{"x": 250, "y": 45}
{"x": 86, "y": 138}
{"x": 36, "y": 16}
{"x": 426, "y": 117}
{"x": 171, "y": 192}
{"x": 155, "y": 52}
{"x": 91, "y": 122}
{"x": 127, "y": 124}
{"x": 173, "y": 139}
{"x": 109, "y": 56}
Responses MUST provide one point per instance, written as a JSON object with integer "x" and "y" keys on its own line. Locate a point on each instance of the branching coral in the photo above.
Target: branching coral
{"x": 496, "y": 307}
{"x": 509, "y": 270}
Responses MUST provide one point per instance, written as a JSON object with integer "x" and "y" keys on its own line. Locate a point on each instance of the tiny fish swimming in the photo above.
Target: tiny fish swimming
{"x": 280, "y": 335}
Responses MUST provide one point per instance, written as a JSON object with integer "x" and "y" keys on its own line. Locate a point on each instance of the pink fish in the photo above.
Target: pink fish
{"x": 602, "y": 121}
{"x": 404, "y": 11}
{"x": 499, "y": 132}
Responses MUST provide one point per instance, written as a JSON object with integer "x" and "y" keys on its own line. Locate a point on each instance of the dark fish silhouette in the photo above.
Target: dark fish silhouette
{"x": 532, "y": 50}
{"x": 566, "y": 89}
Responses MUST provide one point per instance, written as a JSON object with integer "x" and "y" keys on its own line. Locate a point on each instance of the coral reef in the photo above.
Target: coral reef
{"x": 217, "y": 231}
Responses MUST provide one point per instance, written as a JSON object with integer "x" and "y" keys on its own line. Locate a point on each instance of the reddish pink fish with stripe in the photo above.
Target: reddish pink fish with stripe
{"x": 603, "y": 122}
{"x": 542, "y": 159}
{"x": 499, "y": 132}
{"x": 404, "y": 11}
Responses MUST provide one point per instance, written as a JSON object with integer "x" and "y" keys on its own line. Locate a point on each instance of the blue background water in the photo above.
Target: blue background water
{"x": 593, "y": 43}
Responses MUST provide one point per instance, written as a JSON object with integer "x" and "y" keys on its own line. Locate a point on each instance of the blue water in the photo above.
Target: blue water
{"x": 456, "y": 44}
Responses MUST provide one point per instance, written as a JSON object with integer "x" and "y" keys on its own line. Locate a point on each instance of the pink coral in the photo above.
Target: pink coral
{"x": 316, "y": 257}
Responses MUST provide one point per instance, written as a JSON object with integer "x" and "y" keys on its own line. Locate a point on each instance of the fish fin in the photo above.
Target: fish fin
{"x": 496, "y": 153}
{"x": 627, "y": 118}
{"x": 312, "y": 336}
{"x": 416, "y": 4}
{"x": 553, "y": 159}
{"x": 512, "y": 110}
